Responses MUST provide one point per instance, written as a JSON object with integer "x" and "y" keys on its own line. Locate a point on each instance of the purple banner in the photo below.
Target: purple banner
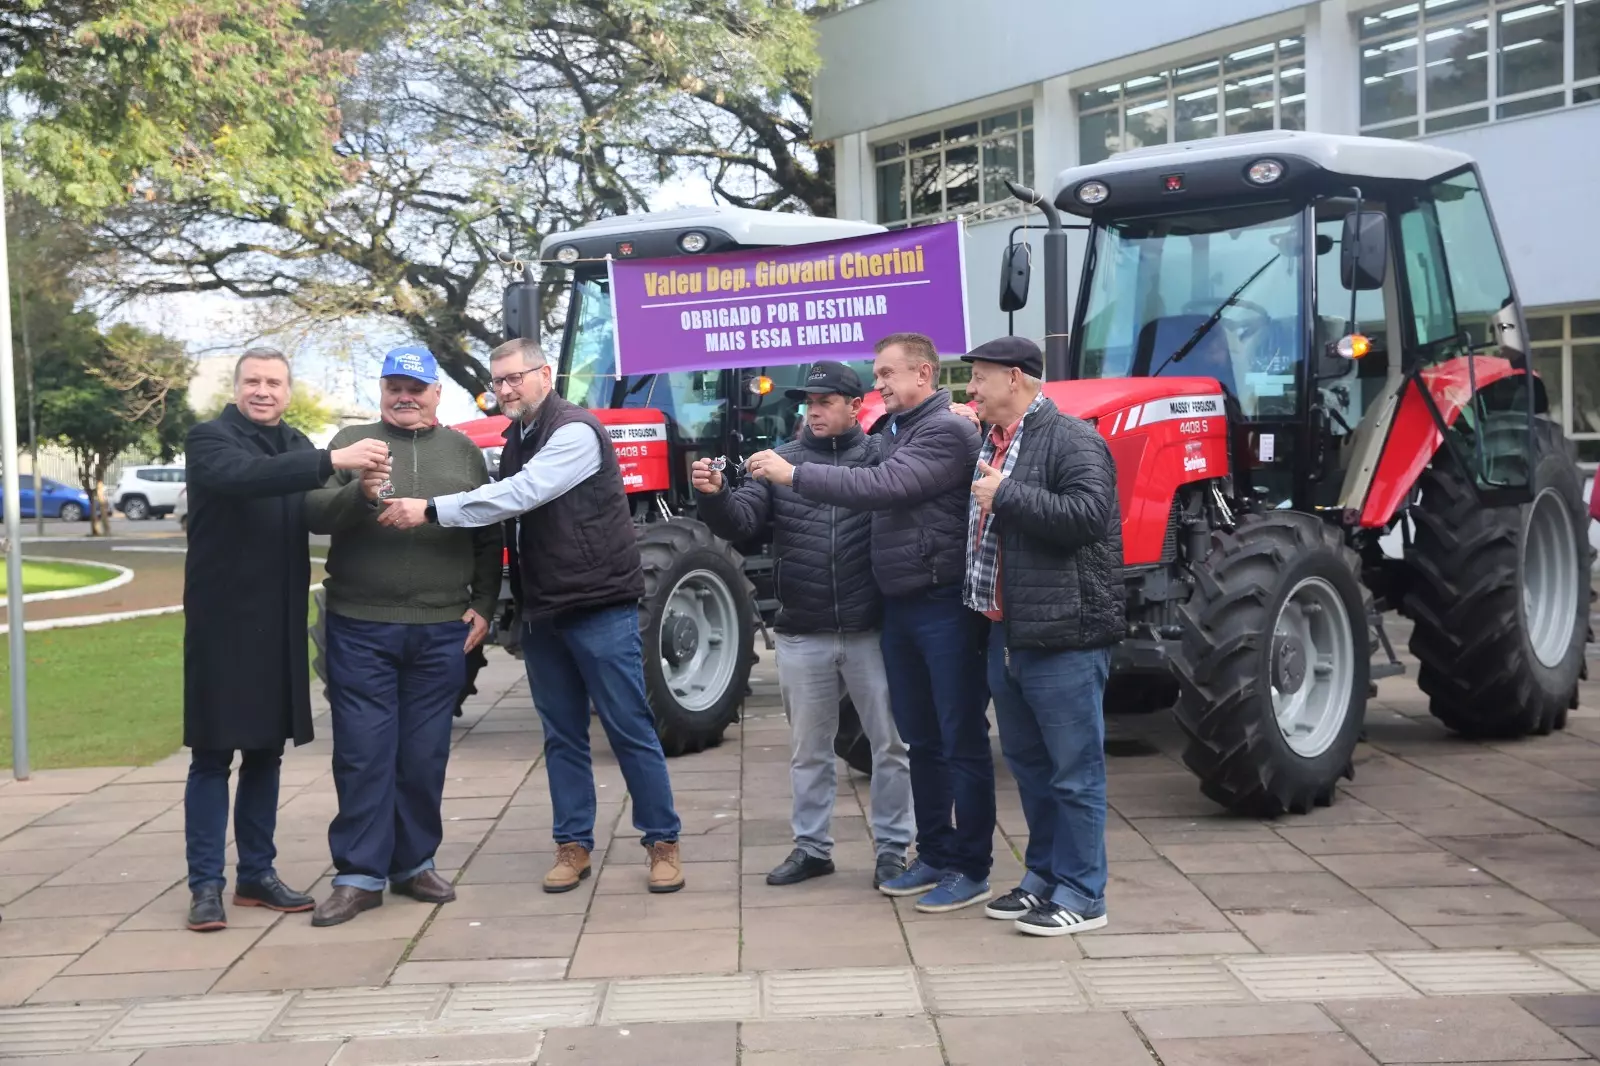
{"x": 779, "y": 306}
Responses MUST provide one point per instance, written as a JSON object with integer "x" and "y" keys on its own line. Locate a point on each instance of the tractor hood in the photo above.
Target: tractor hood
{"x": 1091, "y": 399}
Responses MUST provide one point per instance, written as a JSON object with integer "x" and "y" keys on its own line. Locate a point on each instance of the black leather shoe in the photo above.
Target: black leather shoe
{"x": 346, "y": 902}
{"x": 888, "y": 868}
{"x": 273, "y": 894}
{"x": 798, "y": 867}
{"x": 427, "y": 886}
{"x": 206, "y": 914}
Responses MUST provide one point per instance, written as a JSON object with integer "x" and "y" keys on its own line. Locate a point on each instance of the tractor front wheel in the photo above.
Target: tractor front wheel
{"x": 1274, "y": 665}
{"x": 697, "y": 623}
{"x": 1500, "y": 596}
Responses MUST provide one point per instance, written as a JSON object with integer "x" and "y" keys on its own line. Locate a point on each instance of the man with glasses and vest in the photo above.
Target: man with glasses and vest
{"x": 575, "y": 561}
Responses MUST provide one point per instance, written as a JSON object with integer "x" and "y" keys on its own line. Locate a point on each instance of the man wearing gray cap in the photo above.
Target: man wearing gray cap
{"x": 1044, "y": 564}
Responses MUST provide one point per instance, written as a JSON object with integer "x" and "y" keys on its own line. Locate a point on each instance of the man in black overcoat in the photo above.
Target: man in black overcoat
{"x": 246, "y": 684}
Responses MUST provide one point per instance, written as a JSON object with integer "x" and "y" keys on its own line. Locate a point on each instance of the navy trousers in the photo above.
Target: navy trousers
{"x": 393, "y": 688}
{"x": 934, "y": 652}
{"x": 255, "y": 815}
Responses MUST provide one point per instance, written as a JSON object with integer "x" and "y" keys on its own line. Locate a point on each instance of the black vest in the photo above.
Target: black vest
{"x": 579, "y": 551}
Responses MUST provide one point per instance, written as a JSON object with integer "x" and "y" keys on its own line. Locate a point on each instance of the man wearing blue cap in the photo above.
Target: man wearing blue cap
{"x": 405, "y": 607}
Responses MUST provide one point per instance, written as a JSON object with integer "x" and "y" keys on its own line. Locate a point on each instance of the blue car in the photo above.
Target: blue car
{"x": 60, "y": 501}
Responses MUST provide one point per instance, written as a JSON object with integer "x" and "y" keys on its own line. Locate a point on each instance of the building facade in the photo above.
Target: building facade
{"x": 934, "y": 104}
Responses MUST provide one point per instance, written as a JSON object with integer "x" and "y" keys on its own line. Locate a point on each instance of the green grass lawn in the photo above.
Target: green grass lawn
{"x": 105, "y": 695}
{"x": 51, "y": 577}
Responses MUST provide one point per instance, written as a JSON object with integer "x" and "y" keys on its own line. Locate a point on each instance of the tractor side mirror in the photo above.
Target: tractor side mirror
{"x": 1016, "y": 269}
{"x": 521, "y": 307}
{"x": 1364, "y": 251}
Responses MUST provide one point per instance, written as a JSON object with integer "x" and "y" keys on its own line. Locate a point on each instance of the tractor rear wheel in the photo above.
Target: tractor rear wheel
{"x": 1500, "y": 599}
{"x": 1274, "y": 664}
{"x": 697, "y": 622}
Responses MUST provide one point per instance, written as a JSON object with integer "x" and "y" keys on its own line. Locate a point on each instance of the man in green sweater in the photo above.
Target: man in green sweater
{"x": 404, "y": 609}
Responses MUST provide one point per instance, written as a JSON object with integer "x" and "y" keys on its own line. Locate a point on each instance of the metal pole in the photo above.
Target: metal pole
{"x": 13, "y": 506}
{"x": 33, "y": 421}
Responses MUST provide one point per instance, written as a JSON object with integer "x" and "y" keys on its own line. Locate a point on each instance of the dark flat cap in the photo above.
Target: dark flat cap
{"x": 1019, "y": 352}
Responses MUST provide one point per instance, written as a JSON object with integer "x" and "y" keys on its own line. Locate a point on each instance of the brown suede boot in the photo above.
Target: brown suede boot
{"x": 666, "y": 867}
{"x": 572, "y": 866}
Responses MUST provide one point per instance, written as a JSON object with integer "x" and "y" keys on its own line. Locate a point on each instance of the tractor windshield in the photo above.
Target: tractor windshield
{"x": 1205, "y": 294}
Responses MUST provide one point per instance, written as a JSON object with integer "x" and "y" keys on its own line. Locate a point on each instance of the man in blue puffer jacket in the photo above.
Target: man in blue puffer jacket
{"x": 829, "y": 612}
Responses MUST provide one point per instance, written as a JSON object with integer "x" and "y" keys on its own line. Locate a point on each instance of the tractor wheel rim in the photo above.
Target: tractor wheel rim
{"x": 1314, "y": 622}
{"x": 1551, "y": 578}
{"x": 702, "y": 604}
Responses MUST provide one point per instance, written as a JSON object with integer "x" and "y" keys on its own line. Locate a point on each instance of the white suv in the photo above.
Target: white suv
{"x": 148, "y": 491}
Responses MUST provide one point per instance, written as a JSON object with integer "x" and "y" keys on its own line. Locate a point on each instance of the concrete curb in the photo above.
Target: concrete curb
{"x": 123, "y": 576}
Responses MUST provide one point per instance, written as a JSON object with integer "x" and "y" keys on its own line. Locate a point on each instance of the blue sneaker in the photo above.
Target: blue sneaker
{"x": 919, "y": 877}
{"x": 955, "y": 890}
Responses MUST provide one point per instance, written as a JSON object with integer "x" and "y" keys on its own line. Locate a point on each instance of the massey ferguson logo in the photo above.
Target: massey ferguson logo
{"x": 1194, "y": 461}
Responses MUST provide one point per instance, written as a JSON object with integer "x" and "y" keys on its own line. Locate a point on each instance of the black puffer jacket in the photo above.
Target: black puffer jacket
{"x": 824, "y": 553}
{"x": 1060, "y": 537}
{"x": 918, "y": 493}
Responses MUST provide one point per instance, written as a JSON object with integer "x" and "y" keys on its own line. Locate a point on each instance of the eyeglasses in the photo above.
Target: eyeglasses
{"x": 514, "y": 380}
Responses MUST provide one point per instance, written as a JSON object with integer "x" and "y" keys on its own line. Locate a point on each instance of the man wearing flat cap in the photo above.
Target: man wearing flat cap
{"x": 1044, "y": 564}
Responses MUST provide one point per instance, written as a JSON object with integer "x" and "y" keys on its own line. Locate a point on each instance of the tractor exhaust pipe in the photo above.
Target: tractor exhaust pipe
{"x": 1056, "y": 318}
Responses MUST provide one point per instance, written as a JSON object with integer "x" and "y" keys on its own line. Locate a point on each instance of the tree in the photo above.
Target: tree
{"x": 482, "y": 128}
{"x": 124, "y": 390}
{"x": 226, "y": 102}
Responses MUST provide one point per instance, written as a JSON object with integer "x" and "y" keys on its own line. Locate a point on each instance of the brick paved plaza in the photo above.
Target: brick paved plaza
{"x": 1445, "y": 910}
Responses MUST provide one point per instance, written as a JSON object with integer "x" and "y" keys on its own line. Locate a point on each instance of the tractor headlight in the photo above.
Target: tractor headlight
{"x": 1264, "y": 172}
{"x": 1093, "y": 192}
{"x": 567, "y": 254}
{"x": 693, "y": 241}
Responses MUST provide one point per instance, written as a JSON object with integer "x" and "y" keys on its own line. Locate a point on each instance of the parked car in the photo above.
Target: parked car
{"x": 66, "y": 502}
{"x": 181, "y": 511}
{"x": 148, "y": 491}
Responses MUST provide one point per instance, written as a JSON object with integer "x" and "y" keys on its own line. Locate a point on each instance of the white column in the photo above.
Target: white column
{"x": 1055, "y": 132}
{"x": 1333, "y": 69}
{"x": 853, "y": 198}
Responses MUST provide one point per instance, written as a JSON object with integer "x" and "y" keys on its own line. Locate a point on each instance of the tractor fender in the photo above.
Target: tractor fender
{"x": 1414, "y": 437}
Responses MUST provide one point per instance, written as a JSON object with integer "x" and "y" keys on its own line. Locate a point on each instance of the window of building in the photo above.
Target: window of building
{"x": 1258, "y": 88}
{"x": 1566, "y": 355}
{"x": 958, "y": 170}
{"x": 1444, "y": 64}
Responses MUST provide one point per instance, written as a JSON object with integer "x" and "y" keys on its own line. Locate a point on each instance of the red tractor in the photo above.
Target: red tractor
{"x": 1293, "y": 344}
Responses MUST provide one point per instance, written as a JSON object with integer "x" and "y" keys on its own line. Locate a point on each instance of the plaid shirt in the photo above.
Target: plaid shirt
{"x": 982, "y": 591}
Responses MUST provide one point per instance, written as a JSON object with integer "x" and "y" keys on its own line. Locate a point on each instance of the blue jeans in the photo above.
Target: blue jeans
{"x": 933, "y": 653}
{"x": 255, "y": 815}
{"x": 1048, "y": 706}
{"x": 393, "y": 689}
{"x": 595, "y": 656}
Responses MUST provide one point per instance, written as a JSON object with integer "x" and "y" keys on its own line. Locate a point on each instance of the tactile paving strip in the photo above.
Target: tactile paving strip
{"x": 41, "y": 1030}
{"x": 1580, "y": 964}
{"x": 1469, "y": 973}
{"x": 840, "y": 993}
{"x": 1002, "y": 989}
{"x": 1178, "y": 982}
{"x": 360, "y": 1012}
{"x": 729, "y": 998}
{"x": 222, "y": 1019}
{"x": 1316, "y": 977}
{"x": 566, "y": 1003}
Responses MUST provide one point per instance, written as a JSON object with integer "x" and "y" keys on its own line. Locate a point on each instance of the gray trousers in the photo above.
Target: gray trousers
{"x": 811, "y": 668}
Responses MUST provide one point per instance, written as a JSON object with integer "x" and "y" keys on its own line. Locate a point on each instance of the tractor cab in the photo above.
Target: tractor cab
{"x": 1293, "y": 343}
